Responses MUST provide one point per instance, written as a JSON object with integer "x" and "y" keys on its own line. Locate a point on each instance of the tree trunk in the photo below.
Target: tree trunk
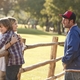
{"x": 47, "y": 24}
{"x": 59, "y": 28}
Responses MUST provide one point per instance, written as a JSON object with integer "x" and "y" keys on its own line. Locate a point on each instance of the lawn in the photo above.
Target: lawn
{"x": 39, "y": 54}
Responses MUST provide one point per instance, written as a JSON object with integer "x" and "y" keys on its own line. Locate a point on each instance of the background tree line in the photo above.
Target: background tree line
{"x": 42, "y": 12}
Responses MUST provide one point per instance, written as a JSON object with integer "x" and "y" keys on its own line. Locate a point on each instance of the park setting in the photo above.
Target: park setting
{"x": 40, "y": 25}
{"x": 40, "y": 54}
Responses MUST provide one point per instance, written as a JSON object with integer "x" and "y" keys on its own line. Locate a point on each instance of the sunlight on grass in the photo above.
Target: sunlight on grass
{"x": 40, "y": 54}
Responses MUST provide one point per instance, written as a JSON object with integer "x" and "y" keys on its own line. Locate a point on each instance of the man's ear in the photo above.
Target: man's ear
{"x": 71, "y": 21}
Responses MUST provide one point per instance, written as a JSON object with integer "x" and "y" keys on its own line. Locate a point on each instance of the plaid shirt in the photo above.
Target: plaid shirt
{"x": 16, "y": 57}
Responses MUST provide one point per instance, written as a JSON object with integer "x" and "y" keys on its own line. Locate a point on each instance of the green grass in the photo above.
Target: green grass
{"x": 32, "y": 31}
{"x": 39, "y": 54}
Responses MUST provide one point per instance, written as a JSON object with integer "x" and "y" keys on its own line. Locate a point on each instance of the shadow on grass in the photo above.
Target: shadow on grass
{"x": 34, "y": 32}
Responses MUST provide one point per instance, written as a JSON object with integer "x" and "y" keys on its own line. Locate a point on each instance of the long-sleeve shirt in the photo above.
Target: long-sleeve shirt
{"x": 72, "y": 49}
{"x": 2, "y": 59}
{"x": 16, "y": 57}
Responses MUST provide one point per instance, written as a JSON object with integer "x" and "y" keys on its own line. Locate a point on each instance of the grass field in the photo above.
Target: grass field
{"x": 40, "y": 54}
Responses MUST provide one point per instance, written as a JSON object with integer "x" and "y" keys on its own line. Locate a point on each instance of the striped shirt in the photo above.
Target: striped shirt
{"x": 15, "y": 57}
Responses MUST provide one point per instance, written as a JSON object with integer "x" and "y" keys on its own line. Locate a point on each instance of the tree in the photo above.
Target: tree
{"x": 6, "y": 6}
{"x": 52, "y": 8}
{"x": 33, "y": 7}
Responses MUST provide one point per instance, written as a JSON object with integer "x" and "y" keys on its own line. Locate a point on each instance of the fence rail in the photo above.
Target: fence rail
{"x": 52, "y": 60}
{"x": 43, "y": 44}
{"x": 29, "y": 68}
{"x": 57, "y": 76}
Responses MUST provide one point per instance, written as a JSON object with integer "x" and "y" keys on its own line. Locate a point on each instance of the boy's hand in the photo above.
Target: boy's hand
{"x": 20, "y": 38}
{"x": 13, "y": 40}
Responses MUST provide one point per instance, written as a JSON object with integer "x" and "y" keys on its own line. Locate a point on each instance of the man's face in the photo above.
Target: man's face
{"x": 66, "y": 23}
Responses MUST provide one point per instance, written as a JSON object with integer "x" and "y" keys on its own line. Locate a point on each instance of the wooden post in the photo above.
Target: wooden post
{"x": 53, "y": 56}
{"x": 19, "y": 74}
{"x": 24, "y": 40}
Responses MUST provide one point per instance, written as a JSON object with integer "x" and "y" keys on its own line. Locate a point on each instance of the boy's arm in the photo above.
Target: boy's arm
{"x": 3, "y": 53}
{"x": 5, "y": 39}
{"x": 9, "y": 44}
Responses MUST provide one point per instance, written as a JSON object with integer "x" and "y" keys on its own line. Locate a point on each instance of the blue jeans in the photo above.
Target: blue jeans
{"x": 72, "y": 76}
{"x": 12, "y": 71}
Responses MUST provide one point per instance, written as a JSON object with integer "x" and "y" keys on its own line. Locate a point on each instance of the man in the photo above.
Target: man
{"x": 71, "y": 58}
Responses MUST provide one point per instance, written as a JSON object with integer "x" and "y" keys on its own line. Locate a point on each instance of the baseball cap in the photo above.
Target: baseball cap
{"x": 69, "y": 15}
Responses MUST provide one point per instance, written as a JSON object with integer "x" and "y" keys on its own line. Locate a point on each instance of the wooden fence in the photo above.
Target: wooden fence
{"x": 52, "y": 60}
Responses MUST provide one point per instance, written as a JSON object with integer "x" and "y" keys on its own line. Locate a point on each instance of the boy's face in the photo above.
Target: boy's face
{"x": 3, "y": 29}
{"x": 15, "y": 25}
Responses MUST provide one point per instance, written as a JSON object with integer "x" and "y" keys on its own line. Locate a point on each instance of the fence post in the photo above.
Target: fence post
{"x": 19, "y": 74}
{"x": 53, "y": 56}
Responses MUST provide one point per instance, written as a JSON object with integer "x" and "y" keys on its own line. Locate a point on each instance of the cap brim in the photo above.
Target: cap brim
{"x": 62, "y": 15}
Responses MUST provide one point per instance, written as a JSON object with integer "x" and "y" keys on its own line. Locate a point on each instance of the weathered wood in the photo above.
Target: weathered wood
{"x": 53, "y": 56}
{"x": 24, "y": 40}
{"x": 72, "y": 70}
{"x": 19, "y": 74}
{"x": 43, "y": 44}
{"x": 57, "y": 76}
{"x": 29, "y": 68}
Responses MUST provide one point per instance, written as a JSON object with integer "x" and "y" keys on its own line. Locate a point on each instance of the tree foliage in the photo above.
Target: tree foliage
{"x": 34, "y": 7}
{"x": 6, "y": 6}
{"x": 45, "y": 11}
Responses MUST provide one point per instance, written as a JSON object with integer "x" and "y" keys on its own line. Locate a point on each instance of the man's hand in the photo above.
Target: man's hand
{"x": 64, "y": 66}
